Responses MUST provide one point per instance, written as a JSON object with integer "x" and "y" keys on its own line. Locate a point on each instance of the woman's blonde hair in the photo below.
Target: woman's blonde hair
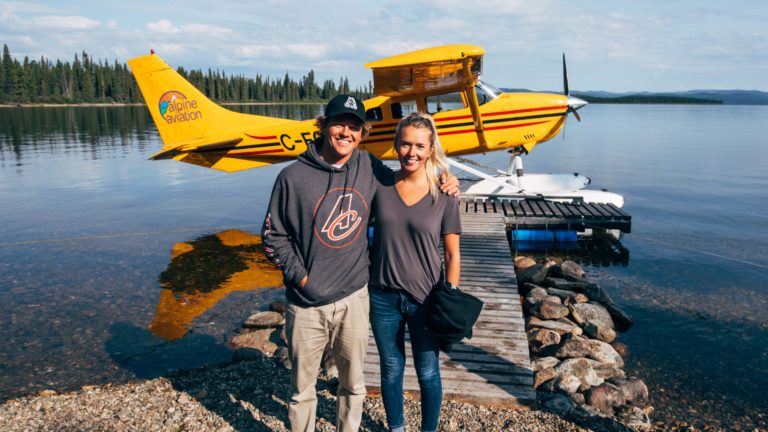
{"x": 437, "y": 163}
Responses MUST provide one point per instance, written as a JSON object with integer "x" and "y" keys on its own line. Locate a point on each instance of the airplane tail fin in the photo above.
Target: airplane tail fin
{"x": 185, "y": 118}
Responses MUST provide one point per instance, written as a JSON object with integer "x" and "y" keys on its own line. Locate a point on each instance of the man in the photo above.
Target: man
{"x": 315, "y": 232}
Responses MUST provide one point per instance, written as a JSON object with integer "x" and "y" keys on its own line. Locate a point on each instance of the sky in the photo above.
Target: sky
{"x": 610, "y": 45}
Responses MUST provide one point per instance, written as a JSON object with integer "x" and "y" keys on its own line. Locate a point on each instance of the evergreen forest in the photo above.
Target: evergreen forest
{"x": 88, "y": 80}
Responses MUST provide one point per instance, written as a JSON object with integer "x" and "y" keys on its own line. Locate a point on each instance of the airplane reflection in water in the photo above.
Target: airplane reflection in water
{"x": 601, "y": 249}
{"x": 203, "y": 272}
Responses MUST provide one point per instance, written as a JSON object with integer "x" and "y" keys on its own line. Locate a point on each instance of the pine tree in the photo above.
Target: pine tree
{"x": 7, "y": 73}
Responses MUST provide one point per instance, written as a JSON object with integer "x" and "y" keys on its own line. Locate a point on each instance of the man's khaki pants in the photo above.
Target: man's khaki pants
{"x": 343, "y": 325}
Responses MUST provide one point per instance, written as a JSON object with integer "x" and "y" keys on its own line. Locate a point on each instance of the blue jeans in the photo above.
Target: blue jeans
{"x": 390, "y": 311}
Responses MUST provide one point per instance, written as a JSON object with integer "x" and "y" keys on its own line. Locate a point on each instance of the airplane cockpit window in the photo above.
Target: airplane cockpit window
{"x": 397, "y": 110}
{"x": 443, "y": 102}
{"x": 374, "y": 114}
{"x": 486, "y": 92}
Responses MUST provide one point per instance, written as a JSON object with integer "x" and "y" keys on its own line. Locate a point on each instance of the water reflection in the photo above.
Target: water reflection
{"x": 601, "y": 249}
{"x": 26, "y": 132}
{"x": 41, "y": 130}
{"x": 204, "y": 271}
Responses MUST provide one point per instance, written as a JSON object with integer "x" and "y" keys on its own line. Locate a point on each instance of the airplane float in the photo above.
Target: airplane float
{"x": 196, "y": 130}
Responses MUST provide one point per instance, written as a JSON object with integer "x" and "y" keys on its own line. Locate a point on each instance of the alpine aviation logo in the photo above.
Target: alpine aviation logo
{"x": 176, "y": 108}
{"x": 340, "y": 215}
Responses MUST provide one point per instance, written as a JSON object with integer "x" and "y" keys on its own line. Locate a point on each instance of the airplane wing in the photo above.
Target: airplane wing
{"x": 433, "y": 70}
{"x": 443, "y": 69}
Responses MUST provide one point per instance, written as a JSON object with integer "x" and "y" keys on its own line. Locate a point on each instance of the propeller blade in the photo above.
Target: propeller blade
{"x": 576, "y": 114}
{"x": 565, "y": 78}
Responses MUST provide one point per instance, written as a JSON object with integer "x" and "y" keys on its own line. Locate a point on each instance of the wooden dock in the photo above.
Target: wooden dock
{"x": 492, "y": 368}
{"x": 539, "y": 213}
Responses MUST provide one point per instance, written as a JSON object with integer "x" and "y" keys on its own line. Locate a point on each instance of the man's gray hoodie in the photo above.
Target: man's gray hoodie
{"x": 316, "y": 225}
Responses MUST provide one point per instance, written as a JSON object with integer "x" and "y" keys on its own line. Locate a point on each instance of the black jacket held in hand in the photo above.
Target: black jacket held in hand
{"x": 452, "y": 314}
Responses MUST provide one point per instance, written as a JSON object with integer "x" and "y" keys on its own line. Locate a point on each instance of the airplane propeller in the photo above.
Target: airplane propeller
{"x": 574, "y": 103}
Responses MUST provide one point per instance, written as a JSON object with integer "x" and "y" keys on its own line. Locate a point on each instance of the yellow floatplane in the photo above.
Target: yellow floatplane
{"x": 196, "y": 130}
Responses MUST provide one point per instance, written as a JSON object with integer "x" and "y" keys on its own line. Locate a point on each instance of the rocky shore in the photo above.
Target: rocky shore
{"x": 572, "y": 326}
{"x": 249, "y": 394}
{"x": 245, "y": 396}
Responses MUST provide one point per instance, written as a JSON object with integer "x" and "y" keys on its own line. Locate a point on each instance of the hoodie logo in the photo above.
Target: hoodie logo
{"x": 343, "y": 212}
{"x": 350, "y": 103}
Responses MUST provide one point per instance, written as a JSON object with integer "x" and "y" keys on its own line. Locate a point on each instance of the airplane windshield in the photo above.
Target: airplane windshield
{"x": 486, "y": 92}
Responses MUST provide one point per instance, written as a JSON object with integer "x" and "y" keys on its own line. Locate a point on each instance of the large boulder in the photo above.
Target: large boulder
{"x": 581, "y": 369}
{"x": 535, "y": 295}
{"x": 604, "y": 398}
{"x": 565, "y": 295}
{"x": 595, "y": 320}
{"x": 605, "y": 334}
{"x": 594, "y": 313}
{"x": 542, "y": 341}
{"x": 523, "y": 262}
{"x": 533, "y": 274}
{"x": 596, "y": 293}
{"x": 543, "y": 376}
{"x": 563, "y": 284}
{"x": 567, "y": 383}
{"x": 607, "y": 371}
{"x": 264, "y": 320}
{"x": 549, "y": 310}
{"x": 571, "y": 267}
{"x": 264, "y": 340}
{"x": 597, "y": 350}
{"x": 544, "y": 363}
{"x": 560, "y": 327}
{"x": 635, "y": 391}
{"x": 621, "y": 320}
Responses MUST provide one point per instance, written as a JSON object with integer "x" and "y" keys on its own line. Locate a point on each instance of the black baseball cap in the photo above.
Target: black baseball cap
{"x": 345, "y": 104}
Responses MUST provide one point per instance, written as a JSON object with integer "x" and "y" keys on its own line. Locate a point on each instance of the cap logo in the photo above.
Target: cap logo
{"x": 350, "y": 103}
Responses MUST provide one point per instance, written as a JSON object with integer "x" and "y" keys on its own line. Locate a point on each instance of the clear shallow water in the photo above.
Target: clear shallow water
{"x": 88, "y": 225}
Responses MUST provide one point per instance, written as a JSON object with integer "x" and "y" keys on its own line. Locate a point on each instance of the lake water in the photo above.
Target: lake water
{"x": 89, "y": 292}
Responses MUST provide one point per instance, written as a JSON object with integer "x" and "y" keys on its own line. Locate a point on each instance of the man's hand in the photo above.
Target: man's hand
{"x": 449, "y": 184}
{"x": 303, "y": 281}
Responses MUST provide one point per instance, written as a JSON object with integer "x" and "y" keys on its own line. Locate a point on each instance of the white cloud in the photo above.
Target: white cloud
{"x": 163, "y": 26}
{"x": 166, "y": 27}
{"x": 66, "y": 22}
{"x": 207, "y": 30}
{"x": 309, "y": 51}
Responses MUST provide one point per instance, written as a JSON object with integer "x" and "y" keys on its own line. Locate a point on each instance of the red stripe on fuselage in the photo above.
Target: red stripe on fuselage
{"x": 463, "y": 131}
{"x": 498, "y": 113}
{"x": 262, "y": 137}
{"x": 253, "y": 153}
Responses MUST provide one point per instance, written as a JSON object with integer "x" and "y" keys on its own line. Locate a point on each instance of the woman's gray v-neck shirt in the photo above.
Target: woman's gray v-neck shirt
{"x": 406, "y": 240}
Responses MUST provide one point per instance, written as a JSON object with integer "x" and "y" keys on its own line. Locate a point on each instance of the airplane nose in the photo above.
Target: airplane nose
{"x": 575, "y": 103}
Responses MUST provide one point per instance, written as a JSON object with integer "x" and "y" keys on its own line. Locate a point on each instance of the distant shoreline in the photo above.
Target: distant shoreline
{"x": 122, "y": 104}
{"x": 647, "y": 100}
{"x": 590, "y": 99}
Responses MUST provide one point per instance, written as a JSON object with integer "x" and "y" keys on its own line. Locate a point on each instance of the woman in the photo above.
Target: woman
{"x": 411, "y": 217}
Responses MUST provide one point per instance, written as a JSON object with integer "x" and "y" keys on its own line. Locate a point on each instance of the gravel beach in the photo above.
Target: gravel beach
{"x": 245, "y": 396}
